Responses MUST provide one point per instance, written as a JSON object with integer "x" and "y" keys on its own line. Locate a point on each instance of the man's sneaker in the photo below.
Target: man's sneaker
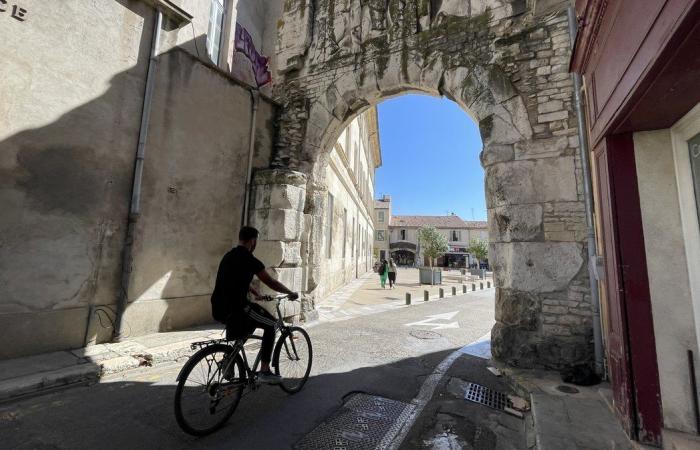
{"x": 268, "y": 377}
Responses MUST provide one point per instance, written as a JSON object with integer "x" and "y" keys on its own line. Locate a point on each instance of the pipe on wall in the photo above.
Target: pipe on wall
{"x": 588, "y": 200}
{"x": 135, "y": 203}
{"x": 255, "y": 100}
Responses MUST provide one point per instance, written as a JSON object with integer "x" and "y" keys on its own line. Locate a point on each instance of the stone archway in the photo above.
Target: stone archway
{"x": 506, "y": 67}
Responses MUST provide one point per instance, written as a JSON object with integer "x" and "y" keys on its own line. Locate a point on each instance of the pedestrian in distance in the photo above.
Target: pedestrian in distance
{"x": 383, "y": 272}
{"x": 392, "y": 273}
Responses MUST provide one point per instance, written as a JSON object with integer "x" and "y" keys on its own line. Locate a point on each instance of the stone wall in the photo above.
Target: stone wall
{"x": 506, "y": 66}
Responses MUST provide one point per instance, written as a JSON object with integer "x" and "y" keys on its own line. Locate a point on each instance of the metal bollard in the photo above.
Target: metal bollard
{"x": 408, "y": 298}
{"x": 442, "y": 293}
{"x": 481, "y": 285}
{"x": 454, "y": 290}
{"x": 488, "y": 285}
{"x": 473, "y": 286}
{"x": 464, "y": 289}
{"x": 426, "y": 295}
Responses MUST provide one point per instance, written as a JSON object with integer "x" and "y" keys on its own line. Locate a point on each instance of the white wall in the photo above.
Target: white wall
{"x": 669, "y": 287}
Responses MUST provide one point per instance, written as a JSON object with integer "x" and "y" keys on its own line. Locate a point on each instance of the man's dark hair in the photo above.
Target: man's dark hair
{"x": 247, "y": 233}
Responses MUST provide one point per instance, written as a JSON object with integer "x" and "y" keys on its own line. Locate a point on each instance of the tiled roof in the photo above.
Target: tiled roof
{"x": 435, "y": 221}
{"x": 476, "y": 223}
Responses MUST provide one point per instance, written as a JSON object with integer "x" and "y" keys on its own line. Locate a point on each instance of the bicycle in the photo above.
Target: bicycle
{"x": 219, "y": 370}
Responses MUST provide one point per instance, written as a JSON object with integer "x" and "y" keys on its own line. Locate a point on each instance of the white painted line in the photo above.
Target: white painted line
{"x": 424, "y": 395}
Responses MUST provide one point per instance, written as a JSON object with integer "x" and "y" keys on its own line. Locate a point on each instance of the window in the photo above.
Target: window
{"x": 380, "y": 216}
{"x": 352, "y": 245}
{"x": 381, "y": 235}
{"x": 402, "y": 235}
{"x": 216, "y": 25}
{"x": 329, "y": 228}
{"x": 454, "y": 236}
{"x": 345, "y": 230}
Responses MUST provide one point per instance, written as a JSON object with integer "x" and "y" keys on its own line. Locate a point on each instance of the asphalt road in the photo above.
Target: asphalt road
{"x": 376, "y": 354}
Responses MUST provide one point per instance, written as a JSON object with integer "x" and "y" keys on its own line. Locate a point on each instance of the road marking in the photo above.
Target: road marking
{"x": 430, "y": 321}
{"x": 426, "y": 392}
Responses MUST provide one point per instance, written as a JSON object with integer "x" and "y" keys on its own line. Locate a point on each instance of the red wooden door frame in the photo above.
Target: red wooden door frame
{"x": 636, "y": 382}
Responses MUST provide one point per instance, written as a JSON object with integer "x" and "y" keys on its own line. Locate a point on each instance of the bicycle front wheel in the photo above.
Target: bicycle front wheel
{"x": 292, "y": 359}
{"x": 209, "y": 388}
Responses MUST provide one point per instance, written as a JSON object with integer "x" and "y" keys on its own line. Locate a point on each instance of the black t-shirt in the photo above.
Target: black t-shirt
{"x": 236, "y": 271}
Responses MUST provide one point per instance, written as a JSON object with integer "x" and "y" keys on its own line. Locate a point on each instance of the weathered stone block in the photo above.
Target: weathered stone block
{"x": 515, "y": 223}
{"x": 536, "y": 266}
{"x": 520, "y": 309}
{"x": 282, "y": 224}
{"x": 289, "y": 276}
{"x": 541, "y": 148}
{"x": 531, "y": 181}
{"x": 495, "y": 153}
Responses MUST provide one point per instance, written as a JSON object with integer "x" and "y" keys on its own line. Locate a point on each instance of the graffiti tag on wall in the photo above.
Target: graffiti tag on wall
{"x": 16, "y": 11}
{"x": 244, "y": 44}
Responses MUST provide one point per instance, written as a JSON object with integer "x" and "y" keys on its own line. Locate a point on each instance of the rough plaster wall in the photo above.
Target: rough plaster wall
{"x": 65, "y": 169}
{"x": 507, "y": 67}
{"x": 671, "y": 301}
{"x": 194, "y": 184}
{"x": 69, "y": 123}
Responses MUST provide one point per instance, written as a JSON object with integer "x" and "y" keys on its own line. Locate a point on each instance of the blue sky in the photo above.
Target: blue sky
{"x": 430, "y": 158}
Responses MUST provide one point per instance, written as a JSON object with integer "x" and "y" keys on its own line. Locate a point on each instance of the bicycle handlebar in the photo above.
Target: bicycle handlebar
{"x": 269, "y": 298}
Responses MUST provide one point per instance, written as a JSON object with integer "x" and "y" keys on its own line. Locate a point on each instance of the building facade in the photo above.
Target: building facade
{"x": 640, "y": 62}
{"x": 348, "y": 225}
{"x": 382, "y": 218}
{"x": 399, "y": 238}
{"x": 84, "y": 245}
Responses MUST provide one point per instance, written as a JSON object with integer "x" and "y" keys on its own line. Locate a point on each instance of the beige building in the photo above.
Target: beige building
{"x": 397, "y": 236}
{"x": 348, "y": 225}
{"x": 74, "y": 117}
{"x": 382, "y": 217}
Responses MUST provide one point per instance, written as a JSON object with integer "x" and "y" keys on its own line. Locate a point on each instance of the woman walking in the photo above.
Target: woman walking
{"x": 383, "y": 271}
{"x": 392, "y": 273}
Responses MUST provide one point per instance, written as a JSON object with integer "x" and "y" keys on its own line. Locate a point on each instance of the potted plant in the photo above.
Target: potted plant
{"x": 433, "y": 244}
{"x": 479, "y": 249}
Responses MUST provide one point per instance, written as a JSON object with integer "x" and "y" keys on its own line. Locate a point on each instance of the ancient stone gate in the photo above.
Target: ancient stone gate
{"x": 505, "y": 63}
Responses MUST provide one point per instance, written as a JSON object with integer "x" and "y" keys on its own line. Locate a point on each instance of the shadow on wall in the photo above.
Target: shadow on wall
{"x": 65, "y": 189}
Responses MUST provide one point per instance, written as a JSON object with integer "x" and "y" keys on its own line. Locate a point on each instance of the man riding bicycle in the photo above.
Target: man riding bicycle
{"x": 230, "y": 303}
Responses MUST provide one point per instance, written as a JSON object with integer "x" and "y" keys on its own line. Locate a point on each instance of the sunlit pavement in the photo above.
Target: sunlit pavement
{"x": 385, "y": 354}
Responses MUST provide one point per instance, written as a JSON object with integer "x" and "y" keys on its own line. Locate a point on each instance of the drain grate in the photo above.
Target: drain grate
{"x": 481, "y": 394}
{"x": 363, "y": 422}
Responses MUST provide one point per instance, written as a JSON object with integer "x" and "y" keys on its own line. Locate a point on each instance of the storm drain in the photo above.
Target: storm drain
{"x": 363, "y": 422}
{"x": 425, "y": 334}
{"x": 484, "y": 396}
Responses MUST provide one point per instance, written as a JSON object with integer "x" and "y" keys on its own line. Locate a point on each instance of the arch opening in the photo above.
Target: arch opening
{"x": 498, "y": 63}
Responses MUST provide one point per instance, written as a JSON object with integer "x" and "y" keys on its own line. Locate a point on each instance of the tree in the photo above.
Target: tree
{"x": 479, "y": 249}
{"x": 432, "y": 243}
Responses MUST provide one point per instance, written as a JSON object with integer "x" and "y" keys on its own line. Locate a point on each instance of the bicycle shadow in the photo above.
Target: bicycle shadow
{"x": 138, "y": 413}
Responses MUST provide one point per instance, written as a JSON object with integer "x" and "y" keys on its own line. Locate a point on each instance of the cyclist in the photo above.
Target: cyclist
{"x": 230, "y": 303}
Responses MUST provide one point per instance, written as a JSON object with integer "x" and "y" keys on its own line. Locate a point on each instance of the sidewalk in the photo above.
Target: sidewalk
{"x": 40, "y": 373}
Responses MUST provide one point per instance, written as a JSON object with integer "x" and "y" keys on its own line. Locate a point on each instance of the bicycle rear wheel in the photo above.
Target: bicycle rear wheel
{"x": 206, "y": 397}
{"x": 292, "y": 359}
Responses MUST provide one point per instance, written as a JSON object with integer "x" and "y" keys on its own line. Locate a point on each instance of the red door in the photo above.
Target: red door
{"x": 631, "y": 345}
{"x": 617, "y": 351}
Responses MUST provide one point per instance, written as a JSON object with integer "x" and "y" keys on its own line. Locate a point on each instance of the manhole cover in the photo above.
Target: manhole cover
{"x": 425, "y": 334}
{"x": 363, "y": 422}
{"x": 481, "y": 394}
{"x": 567, "y": 389}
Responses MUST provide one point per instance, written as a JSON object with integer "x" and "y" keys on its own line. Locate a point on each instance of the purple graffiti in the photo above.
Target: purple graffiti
{"x": 244, "y": 44}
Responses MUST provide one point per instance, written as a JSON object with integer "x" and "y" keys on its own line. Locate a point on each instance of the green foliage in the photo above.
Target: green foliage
{"x": 433, "y": 244}
{"x": 479, "y": 249}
